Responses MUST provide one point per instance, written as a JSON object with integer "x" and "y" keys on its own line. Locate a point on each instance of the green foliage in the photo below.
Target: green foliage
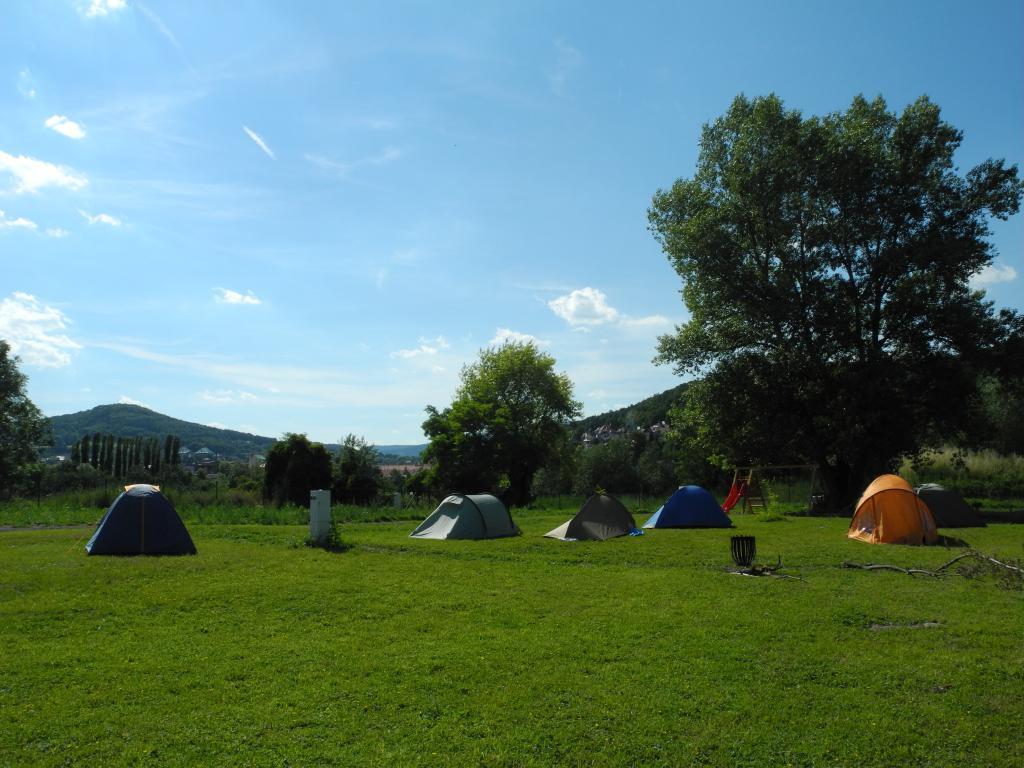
{"x": 636, "y": 465}
{"x": 295, "y": 466}
{"x": 358, "y": 479}
{"x": 984, "y": 474}
{"x": 608, "y": 465}
{"x": 826, "y": 266}
{"x": 123, "y": 457}
{"x": 507, "y": 420}
{"x": 334, "y": 541}
{"x": 633, "y": 652}
{"x": 22, "y": 426}
{"x": 647, "y": 412}
{"x": 1000, "y": 416}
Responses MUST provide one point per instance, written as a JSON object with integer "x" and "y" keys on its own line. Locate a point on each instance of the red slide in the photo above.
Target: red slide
{"x": 737, "y": 492}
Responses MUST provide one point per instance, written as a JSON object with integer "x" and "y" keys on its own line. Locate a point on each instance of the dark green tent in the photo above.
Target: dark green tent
{"x": 601, "y": 517}
{"x": 141, "y": 521}
{"x": 948, "y": 507}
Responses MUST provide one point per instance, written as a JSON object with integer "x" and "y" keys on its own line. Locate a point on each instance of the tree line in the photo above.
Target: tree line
{"x": 116, "y": 456}
{"x": 295, "y": 466}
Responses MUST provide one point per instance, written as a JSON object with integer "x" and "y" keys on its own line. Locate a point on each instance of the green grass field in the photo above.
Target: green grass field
{"x": 526, "y": 651}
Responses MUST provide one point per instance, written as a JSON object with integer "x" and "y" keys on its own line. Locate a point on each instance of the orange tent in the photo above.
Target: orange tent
{"x": 889, "y": 512}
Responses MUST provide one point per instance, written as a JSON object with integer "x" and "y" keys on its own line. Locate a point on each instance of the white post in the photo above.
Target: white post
{"x": 319, "y": 516}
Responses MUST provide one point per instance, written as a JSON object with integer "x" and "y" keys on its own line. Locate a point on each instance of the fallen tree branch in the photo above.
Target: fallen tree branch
{"x": 987, "y": 558}
{"x": 883, "y": 567}
{"x": 938, "y": 571}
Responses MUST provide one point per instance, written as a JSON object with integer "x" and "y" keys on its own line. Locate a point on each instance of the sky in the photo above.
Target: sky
{"x": 309, "y": 216}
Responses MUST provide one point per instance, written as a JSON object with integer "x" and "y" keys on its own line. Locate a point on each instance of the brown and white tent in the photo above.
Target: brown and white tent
{"x": 601, "y": 517}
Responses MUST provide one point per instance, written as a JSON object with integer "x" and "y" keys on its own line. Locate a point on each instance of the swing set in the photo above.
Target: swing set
{"x": 749, "y": 485}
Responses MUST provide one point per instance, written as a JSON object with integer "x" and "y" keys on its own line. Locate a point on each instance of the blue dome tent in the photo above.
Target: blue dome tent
{"x": 689, "y": 507}
{"x": 141, "y": 521}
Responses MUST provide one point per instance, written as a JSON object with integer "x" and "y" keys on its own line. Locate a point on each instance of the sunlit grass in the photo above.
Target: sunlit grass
{"x": 522, "y": 651}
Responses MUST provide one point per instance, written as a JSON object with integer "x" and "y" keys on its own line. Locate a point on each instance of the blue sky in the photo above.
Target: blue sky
{"x": 307, "y": 216}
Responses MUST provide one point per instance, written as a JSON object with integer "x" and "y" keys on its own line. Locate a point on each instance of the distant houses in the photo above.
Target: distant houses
{"x": 405, "y": 469}
{"x": 200, "y": 459}
{"x": 607, "y": 432}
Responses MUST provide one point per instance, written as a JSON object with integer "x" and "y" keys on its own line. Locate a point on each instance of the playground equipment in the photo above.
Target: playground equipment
{"x": 759, "y": 486}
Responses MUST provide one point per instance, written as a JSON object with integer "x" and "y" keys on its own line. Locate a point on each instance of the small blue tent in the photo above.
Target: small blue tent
{"x": 141, "y": 521}
{"x": 689, "y": 507}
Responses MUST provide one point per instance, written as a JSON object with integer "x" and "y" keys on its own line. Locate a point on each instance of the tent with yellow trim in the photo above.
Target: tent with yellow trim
{"x": 889, "y": 512}
{"x": 141, "y": 521}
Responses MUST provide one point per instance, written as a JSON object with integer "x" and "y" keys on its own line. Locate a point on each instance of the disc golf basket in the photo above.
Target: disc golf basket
{"x": 743, "y": 550}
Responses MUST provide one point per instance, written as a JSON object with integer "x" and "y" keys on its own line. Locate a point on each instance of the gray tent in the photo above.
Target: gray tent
{"x": 948, "y": 507}
{"x": 464, "y": 516}
{"x": 600, "y": 518}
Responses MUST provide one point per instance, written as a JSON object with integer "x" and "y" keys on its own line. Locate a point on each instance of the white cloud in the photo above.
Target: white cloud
{"x": 339, "y": 168}
{"x": 992, "y": 274}
{"x": 227, "y": 396}
{"x": 584, "y": 306}
{"x": 327, "y": 164}
{"x": 567, "y": 61}
{"x": 57, "y": 232}
{"x": 377, "y": 123}
{"x": 642, "y": 322}
{"x": 26, "y": 84}
{"x": 162, "y": 28}
{"x": 304, "y": 386}
{"x": 18, "y": 223}
{"x": 101, "y": 218}
{"x": 64, "y": 126}
{"x": 31, "y": 175}
{"x": 259, "y": 142}
{"x": 502, "y": 335}
{"x": 228, "y": 296}
{"x": 215, "y": 425}
{"x": 589, "y": 307}
{"x": 97, "y": 8}
{"x": 387, "y": 155}
{"x": 35, "y": 331}
{"x": 406, "y": 256}
{"x": 125, "y": 400}
{"x": 426, "y": 347}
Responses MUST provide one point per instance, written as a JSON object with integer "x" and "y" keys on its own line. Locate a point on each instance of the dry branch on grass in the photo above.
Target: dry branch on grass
{"x": 1014, "y": 572}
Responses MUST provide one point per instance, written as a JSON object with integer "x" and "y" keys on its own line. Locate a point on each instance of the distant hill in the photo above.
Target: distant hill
{"x": 643, "y": 414}
{"x": 136, "y": 421}
{"x": 402, "y": 451}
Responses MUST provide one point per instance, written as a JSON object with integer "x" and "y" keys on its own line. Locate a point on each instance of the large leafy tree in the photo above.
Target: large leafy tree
{"x": 826, "y": 265}
{"x": 508, "y": 417}
{"x": 294, "y": 467}
{"x": 358, "y": 478}
{"x": 22, "y": 426}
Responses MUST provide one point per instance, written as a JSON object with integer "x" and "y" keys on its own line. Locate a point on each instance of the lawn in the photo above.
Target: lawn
{"x": 524, "y": 651}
